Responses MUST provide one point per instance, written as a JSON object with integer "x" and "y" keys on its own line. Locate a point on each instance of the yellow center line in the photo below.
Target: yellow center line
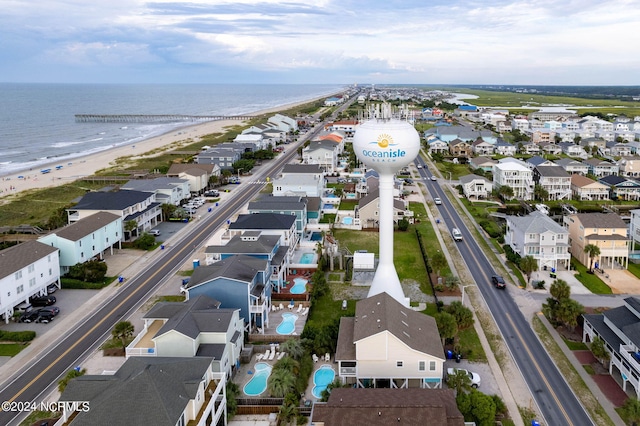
{"x": 537, "y": 366}
{"x": 105, "y": 317}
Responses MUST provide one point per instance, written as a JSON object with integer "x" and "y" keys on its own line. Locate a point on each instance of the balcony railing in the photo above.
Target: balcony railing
{"x": 347, "y": 371}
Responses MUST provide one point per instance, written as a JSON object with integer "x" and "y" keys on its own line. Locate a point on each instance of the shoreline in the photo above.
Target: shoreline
{"x": 82, "y": 166}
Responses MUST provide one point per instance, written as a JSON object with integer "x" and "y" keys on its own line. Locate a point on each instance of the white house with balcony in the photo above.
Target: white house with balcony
{"x": 388, "y": 345}
{"x": 283, "y": 123}
{"x": 515, "y": 175}
{"x": 476, "y": 187}
{"x": 197, "y": 327}
{"x": 324, "y": 153}
{"x": 539, "y": 236}
{"x": 555, "y": 180}
{"x": 89, "y": 238}
{"x": 618, "y": 328}
{"x": 168, "y": 190}
{"x": 139, "y": 207}
{"x": 26, "y": 269}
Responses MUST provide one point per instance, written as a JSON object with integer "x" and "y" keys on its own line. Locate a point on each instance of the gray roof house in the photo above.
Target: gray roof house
{"x": 238, "y": 282}
{"x": 538, "y": 235}
{"x": 287, "y": 205}
{"x": 197, "y": 174}
{"x": 195, "y": 328}
{"x": 382, "y": 332}
{"x": 86, "y": 239}
{"x": 137, "y": 206}
{"x": 555, "y": 180}
{"x": 620, "y": 329}
{"x": 168, "y": 190}
{"x": 283, "y": 225}
{"x": 26, "y": 269}
{"x": 149, "y": 390}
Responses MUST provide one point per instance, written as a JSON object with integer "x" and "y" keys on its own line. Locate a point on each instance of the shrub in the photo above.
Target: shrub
{"x": 17, "y": 336}
{"x": 145, "y": 242}
{"x": 491, "y": 228}
{"x": 90, "y": 271}
{"x": 512, "y": 256}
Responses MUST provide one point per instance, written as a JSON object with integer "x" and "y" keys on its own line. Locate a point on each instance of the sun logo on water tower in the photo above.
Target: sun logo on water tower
{"x": 384, "y": 141}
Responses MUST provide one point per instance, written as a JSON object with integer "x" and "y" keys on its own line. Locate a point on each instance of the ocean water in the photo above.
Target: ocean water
{"x": 37, "y": 121}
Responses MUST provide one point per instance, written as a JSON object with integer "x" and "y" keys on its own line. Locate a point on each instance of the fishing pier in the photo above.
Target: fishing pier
{"x": 155, "y": 118}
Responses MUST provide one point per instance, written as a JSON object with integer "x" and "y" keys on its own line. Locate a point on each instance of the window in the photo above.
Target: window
{"x": 18, "y": 275}
{"x": 32, "y": 282}
{"x": 399, "y": 363}
{"x": 31, "y": 268}
{"x": 421, "y": 366}
{"x": 432, "y": 366}
{"x": 20, "y": 288}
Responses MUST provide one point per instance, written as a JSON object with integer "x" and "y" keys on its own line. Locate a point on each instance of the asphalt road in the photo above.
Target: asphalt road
{"x": 38, "y": 378}
{"x": 554, "y": 397}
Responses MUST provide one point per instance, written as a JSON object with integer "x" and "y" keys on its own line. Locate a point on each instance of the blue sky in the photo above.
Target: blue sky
{"x": 572, "y": 42}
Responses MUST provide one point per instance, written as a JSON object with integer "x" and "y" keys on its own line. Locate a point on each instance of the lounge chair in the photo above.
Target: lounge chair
{"x": 259, "y": 357}
{"x": 281, "y": 307}
{"x": 259, "y": 330}
{"x": 315, "y": 358}
{"x": 266, "y": 354}
{"x": 272, "y": 356}
{"x": 305, "y": 311}
{"x": 327, "y": 357}
{"x": 281, "y": 354}
{"x": 299, "y": 308}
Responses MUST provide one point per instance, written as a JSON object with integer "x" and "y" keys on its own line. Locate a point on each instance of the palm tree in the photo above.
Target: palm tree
{"x": 280, "y": 383}
{"x": 123, "y": 331}
{"x": 289, "y": 364}
{"x": 528, "y": 265}
{"x": 293, "y": 348}
{"x": 459, "y": 381}
{"x": 592, "y": 251}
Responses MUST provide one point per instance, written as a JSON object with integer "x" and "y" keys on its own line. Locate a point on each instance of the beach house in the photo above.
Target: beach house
{"x": 388, "y": 345}
{"x": 197, "y": 327}
{"x": 198, "y": 175}
{"x": 605, "y": 230}
{"x": 162, "y": 391}
{"x": 89, "y": 238}
{"x": 238, "y": 282}
{"x": 26, "y": 269}
{"x": 136, "y": 207}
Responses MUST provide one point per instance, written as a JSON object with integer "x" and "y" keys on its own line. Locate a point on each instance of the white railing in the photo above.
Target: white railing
{"x": 347, "y": 371}
{"x": 141, "y": 352}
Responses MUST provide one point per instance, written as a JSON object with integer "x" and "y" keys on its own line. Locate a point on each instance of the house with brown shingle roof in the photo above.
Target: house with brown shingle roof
{"x": 605, "y": 230}
{"x": 584, "y": 188}
{"x": 198, "y": 175}
{"x": 382, "y": 407}
{"x": 391, "y": 343}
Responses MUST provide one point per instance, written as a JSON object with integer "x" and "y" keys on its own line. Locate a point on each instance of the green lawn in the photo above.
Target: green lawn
{"x": 11, "y": 349}
{"x": 591, "y": 281}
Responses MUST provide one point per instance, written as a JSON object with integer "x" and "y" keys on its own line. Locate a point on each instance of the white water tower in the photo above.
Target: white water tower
{"x": 386, "y": 145}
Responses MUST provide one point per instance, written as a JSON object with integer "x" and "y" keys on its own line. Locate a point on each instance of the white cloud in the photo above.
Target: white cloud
{"x": 421, "y": 42}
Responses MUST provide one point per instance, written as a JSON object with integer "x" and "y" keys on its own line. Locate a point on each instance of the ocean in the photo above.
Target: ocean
{"x": 37, "y": 121}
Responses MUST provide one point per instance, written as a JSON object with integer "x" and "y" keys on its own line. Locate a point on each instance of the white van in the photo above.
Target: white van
{"x": 457, "y": 235}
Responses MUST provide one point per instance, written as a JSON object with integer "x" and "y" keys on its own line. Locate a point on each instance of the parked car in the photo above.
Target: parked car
{"x": 42, "y": 300}
{"x": 49, "y": 310}
{"x": 498, "y": 281}
{"x": 24, "y": 307}
{"x": 212, "y": 193}
{"x": 155, "y": 232}
{"x": 44, "y": 317}
{"x": 474, "y": 377}
{"x": 30, "y": 316}
{"x": 437, "y": 200}
{"x": 51, "y": 288}
{"x": 408, "y": 181}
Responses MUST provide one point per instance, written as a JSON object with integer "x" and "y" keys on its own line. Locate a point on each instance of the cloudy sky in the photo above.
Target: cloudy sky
{"x": 321, "y": 41}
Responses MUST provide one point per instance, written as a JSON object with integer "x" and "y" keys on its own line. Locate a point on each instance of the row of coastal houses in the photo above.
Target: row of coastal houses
{"x": 553, "y": 245}
{"x": 563, "y": 179}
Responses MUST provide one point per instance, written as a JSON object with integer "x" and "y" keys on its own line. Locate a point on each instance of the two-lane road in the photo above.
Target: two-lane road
{"x": 554, "y": 397}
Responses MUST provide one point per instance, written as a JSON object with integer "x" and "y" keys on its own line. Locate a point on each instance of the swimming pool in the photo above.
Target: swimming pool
{"x": 347, "y": 221}
{"x": 321, "y": 379}
{"x": 258, "y": 383}
{"x": 299, "y": 286}
{"x": 316, "y": 236}
{"x": 288, "y": 323}
{"x": 328, "y": 206}
{"x": 307, "y": 258}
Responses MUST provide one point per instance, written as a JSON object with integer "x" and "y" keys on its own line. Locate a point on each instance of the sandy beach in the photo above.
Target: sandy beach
{"x": 88, "y": 165}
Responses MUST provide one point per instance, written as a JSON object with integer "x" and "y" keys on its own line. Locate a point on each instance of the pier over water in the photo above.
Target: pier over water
{"x": 155, "y": 118}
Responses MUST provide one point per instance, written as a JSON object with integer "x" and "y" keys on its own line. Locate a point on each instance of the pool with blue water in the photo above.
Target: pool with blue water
{"x": 321, "y": 379}
{"x": 307, "y": 258}
{"x": 299, "y": 286}
{"x": 288, "y": 324}
{"x": 258, "y": 383}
